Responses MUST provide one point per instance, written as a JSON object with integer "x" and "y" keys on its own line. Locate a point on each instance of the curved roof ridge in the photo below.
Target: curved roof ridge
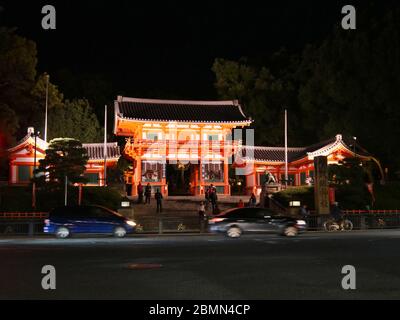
{"x": 184, "y": 102}
{"x": 276, "y": 148}
{"x": 138, "y": 109}
{"x": 96, "y": 144}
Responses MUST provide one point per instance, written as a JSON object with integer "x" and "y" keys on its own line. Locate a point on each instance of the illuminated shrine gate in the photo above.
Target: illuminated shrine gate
{"x": 181, "y": 178}
{"x": 178, "y": 147}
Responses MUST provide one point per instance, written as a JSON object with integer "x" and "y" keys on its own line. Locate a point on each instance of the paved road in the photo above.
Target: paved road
{"x": 204, "y": 267}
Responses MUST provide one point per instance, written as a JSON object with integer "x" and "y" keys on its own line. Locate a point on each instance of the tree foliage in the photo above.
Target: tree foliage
{"x": 17, "y": 66}
{"x": 263, "y": 96}
{"x": 350, "y": 180}
{"x": 23, "y": 96}
{"x": 350, "y": 85}
{"x": 74, "y": 118}
{"x": 8, "y": 126}
{"x": 346, "y": 84}
{"x": 17, "y": 76}
{"x": 65, "y": 157}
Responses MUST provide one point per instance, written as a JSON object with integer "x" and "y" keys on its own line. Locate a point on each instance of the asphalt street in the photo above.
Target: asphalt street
{"x": 204, "y": 266}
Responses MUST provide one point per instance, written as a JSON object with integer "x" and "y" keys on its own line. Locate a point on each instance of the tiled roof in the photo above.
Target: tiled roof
{"x": 272, "y": 154}
{"x": 348, "y": 143}
{"x": 277, "y": 154}
{"x": 40, "y": 143}
{"x": 181, "y": 111}
{"x": 95, "y": 151}
{"x": 358, "y": 148}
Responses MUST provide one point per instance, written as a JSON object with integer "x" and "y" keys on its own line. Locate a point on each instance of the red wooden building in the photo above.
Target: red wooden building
{"x": 180, "y": 147}
{"x": 257, "y": 163}
{"x": 21, "y": 159}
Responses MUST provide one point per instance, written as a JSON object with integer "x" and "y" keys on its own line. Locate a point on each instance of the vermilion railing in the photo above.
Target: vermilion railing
{"x": 365, "y": 212}
{"x": 371, "y": 211}
{"x": 197, "y": 143}
{"x": 139, "y": 146}
{"x": 23, "y": 215}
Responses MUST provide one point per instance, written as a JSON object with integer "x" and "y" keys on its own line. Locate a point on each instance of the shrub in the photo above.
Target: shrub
{"x": 387, "y": 196}
{"x": 108, "y": 197}
{"x": 16, "y": 199}
{"x": 304, "y": 194}
{"x": 353, "y": 197}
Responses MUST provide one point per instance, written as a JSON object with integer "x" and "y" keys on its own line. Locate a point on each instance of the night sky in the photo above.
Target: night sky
{"x": 165, "y": 48}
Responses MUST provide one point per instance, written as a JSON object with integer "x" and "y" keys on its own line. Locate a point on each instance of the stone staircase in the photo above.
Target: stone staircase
{"x": 180, "y": 213}
{"x": 180, "y": 206}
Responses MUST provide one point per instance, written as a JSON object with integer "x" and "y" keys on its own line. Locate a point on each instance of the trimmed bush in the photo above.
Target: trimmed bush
{"x": 353, "y": 197}
{"x": 16, "y": 199}
{"x": 108, "y": 197}
{"x": 304, "y": 194}
{"x": 387, "y": 196}
{"x": 349, "y": 197}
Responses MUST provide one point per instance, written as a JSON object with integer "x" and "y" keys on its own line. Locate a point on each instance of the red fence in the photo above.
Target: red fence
{"x": 370, "y": 211}
{"x": 23, "y": 215}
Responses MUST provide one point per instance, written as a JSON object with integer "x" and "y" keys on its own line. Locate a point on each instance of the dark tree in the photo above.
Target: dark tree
{"x": 349, "y": 84}
{"x": 75, "y": 119}
{"x": 263, "y": 96}
{"x": 65, "y": 157}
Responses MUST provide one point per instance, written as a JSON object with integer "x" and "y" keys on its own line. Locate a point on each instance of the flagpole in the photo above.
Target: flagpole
{"x": 105, "y": 146}
{"x": 47, "y": 99}
{"x": 286, "y": 151}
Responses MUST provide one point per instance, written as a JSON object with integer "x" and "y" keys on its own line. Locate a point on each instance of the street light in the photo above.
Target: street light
{"x": 35, "y": 135}
{"x": 354, "y": 145}
{"x": 47, "y": 101}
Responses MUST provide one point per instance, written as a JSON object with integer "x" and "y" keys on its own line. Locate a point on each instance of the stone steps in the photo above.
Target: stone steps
{"x": 180, "y": 213}
{"x": 174, "y": 208}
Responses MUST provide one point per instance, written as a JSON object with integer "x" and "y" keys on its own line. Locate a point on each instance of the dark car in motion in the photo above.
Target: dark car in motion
{"x": 67, "y": 220}
{"x": 235, "y": 222}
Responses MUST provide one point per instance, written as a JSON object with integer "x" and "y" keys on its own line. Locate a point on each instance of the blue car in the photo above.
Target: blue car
{"x": 67, "y": 220}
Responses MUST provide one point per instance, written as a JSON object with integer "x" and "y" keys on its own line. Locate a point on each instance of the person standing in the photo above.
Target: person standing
{"x": 240, "y": 204}
{"x": 202, "y": 216}
{"x": 128, "y": 189}
{"x": 147, "y": 193}
{"x": 140, "y": 192}
{"x": 207, "y": 197}
{"x": 213, "y": 198}
{"x": 159, "y": 198}
{"x": 304, "y": 212}
{"x": 253, "y": 200}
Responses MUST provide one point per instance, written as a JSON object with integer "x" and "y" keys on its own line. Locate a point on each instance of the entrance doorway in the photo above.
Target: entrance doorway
{"x": 180, "y": 179}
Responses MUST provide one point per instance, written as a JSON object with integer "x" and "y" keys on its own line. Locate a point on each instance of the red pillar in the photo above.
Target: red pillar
{"x": 226, "y": 177}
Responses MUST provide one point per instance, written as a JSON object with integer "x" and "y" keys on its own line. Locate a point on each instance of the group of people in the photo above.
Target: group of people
{"x": 211, "y": 196}
{"x": 147, "y": 194}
